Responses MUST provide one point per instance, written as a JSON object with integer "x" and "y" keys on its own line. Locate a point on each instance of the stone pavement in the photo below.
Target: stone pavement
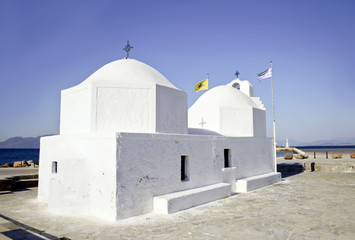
{"x": 309, "y": 205}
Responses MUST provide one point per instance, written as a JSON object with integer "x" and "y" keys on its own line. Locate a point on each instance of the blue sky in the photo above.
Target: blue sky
{"x": 47, "y": 46}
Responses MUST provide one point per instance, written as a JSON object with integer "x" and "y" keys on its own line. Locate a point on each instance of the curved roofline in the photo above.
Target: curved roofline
{"x": 128, "y": 71}
{"x": 233, "y": 93}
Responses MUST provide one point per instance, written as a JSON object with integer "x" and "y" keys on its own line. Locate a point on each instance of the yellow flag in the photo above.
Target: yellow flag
{"x": 203, "y": 85}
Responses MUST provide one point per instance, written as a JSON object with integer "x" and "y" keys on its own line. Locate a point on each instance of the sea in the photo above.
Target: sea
{"x": 9, "y": 155}
{"x": 12, "y": 155}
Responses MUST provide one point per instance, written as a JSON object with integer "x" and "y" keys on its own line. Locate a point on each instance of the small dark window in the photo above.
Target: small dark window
{"x": 54, "y": 167}
{"x": 227, "y": 162}
{"x": 184, "y": 173}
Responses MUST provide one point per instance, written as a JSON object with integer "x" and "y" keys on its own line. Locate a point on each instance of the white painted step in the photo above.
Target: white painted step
{"x": 252, "y": 183}
{"x": 258, "y": 102}
{"x": 177, "y": 201}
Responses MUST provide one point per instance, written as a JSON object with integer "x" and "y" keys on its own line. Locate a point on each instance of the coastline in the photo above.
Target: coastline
{"x": 321, "y": 152}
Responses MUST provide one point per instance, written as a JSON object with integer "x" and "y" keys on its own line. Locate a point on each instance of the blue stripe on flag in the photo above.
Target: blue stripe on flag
{"x": 263, "y": 73}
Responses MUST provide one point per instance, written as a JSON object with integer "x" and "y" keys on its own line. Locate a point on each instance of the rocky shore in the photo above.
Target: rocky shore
{"x": 320, "y": 155}
{"x": 18, "y": 164}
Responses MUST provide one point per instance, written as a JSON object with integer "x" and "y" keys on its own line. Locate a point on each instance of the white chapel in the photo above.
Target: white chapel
{"x": 128, "y": 145}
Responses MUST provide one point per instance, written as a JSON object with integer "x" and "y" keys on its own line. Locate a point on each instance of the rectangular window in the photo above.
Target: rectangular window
{"x": 54, "y": 167}
{"x": 227, "y": 158}
{"x": 184, "y": 168}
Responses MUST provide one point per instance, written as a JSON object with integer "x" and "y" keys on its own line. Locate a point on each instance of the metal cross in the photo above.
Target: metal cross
{"x": 202, "y": 123}
{"x": 237, "y": 73}
{"x": 127, "y": 48}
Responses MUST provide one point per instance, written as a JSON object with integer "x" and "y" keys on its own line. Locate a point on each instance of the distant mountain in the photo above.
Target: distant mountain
{"x": 329, "y": 142}
{"x": 337, "y": 141}
{"x": 20, "y": 142}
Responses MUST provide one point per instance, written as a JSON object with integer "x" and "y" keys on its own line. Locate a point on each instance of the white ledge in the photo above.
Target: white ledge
{"x": 256, "y": 182}
{"x": 229, "y": 169}
{"x": 173, "y": 202}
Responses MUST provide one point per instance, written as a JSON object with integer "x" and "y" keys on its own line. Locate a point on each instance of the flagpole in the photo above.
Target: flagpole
{"x": 273, "y": 116}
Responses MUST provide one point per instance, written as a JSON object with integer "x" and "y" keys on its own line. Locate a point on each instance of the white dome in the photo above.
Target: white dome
{"x": 226, "y": 96}
{"x": 228, "y": 111}
{"x": 129, "y": 71}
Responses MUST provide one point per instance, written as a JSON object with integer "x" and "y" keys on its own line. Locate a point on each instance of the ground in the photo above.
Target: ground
{"x": 309, "y": 205}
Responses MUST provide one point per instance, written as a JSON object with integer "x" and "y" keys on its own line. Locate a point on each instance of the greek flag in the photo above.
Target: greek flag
{"x": 265, "y": 74}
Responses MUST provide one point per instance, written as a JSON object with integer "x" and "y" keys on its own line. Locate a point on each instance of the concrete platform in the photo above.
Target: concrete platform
{"x": 18, "y": 178}
{"x": 12, "y": 172}
{"x": 177, "y": 201}
{"x": 256, "y": 182}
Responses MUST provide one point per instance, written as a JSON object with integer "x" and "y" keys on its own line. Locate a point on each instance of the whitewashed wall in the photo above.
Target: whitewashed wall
{"x": 259, "y": 122}
{"x": 124, "y": 109}
{"x": 85, "y": 181}
{"x": 236, "y": 122}
{"x": 171, "y": 110}
{"x": 75, "y": 110}
{"x": 115, "y": 107}
{"x": 116, "y": 176}
{"x": 149, "y": 165}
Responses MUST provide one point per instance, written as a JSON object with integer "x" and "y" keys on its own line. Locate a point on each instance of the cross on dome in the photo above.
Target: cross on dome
{"x": 128, "y": 48}
{"x": 202, "y": 123}
{"x": 237, "y": 74}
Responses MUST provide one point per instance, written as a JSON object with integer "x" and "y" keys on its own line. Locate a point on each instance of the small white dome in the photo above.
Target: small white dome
{"x": 229, "y": 112}
{"x": 226, "y": 96}
{"x": 129, "y": 71}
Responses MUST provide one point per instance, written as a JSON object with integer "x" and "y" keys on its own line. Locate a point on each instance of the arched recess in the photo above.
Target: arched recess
{"x": 235, "y": 84}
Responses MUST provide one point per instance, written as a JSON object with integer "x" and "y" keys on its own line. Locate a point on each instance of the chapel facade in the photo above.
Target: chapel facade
{"x": 128, "y": 145}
